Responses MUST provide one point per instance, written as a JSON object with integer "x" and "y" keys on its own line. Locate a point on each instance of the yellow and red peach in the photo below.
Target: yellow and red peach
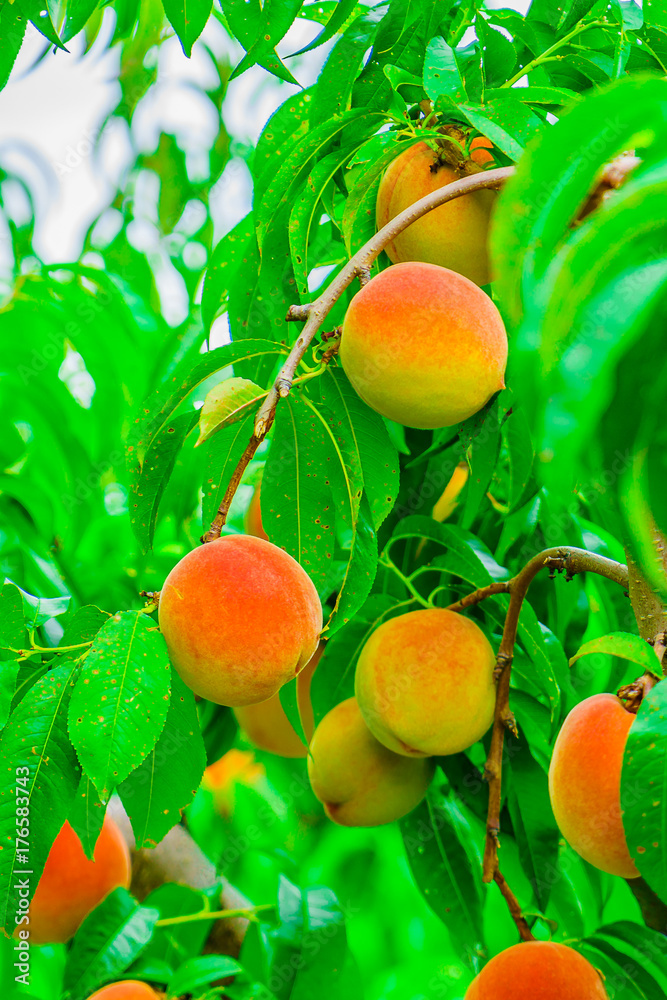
{"x": 585, "y": 782}
{"x": 423, "y": 345}
{"x": 72, "y": 885}
{"x": 267, "y": 726}
{"x": 241, "y": 618}
{"x": 424, "y": 683}
{"x": 454, "y": 235}
{"x": 128, "y": 989}
{"x": 538, "y": 970}
{"x": 359, "y": 781}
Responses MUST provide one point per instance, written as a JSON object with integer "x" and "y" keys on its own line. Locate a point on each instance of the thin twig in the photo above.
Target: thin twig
{"x": 223, "y": 510}
{"x": 513, "y": 906}
{"x": 570, "y": 561}
{"x": 499, "y": 587}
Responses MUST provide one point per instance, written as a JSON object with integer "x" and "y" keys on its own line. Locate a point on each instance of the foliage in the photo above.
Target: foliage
{"x": 109, "y": 477}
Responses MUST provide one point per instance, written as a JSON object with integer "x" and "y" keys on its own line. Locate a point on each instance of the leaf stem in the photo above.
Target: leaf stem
{"x": 189, "y": 918}
{"x": 387, "y": 562}
{"x": 544, "y": 56}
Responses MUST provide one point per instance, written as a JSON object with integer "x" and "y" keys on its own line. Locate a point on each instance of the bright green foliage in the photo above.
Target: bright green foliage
{"x": 103, "y": 489}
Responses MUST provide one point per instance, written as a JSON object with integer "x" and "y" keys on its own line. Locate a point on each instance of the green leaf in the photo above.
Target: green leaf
{"x": 224, "y": 452}
{"x": 9, "y": 670}
{"x": 276, "y": 20}
{"x": 38, "y": 13}
{"x": 334, "y": 86}
{"x": 156, "y": 793}
{"x": 624, "y": 644}
{"x": 297, "y": 505}
{"x": 120, "y": 701}
{"x": 76, "y": 16}
{"x": 188, "y": 19}
{"x": 225, "y": 404}
{"x": 196, "y": 973}
{"x": 281, "y": 189}
{"x": 12, "y": 626}
{"x": 498, "y": 55}
{"x": 533, "y": 822}
{"x": 438, "y": 844}
{"x": 644, "y": 789}
{"x": 12, "y": 29}
{"x": 441, "y": 71}
{"x": 87, "y": 815}
{"x": 245, "y": 20}
{"x": 150, "y": 482}
{"x": 38, "y": 610}
{"x": 35, "y": 745}
{"x": 341, "y": 13}
{"x": 222, "y": 268}
{"x": 363, "y": 437}
{"x": 638, "y": 950}
{"x": 108, "y": 941}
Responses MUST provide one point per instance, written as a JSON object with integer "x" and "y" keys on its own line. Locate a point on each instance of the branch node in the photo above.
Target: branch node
{"x": 298, "y": 313}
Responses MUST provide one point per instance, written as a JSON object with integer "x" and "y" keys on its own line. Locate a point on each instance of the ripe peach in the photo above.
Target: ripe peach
{"x": 424, "y": 683}
{"x": 71, "y": 885}
{"x": 359, "y": 781}
{"x": 454, "y": 235}
{"x": 267, "y": 726}
{"x": 423, "y": 345}
{"x": 479, "y": 148}
{"x": 240, "y": 617}
{"x": 129, "y": 989}
{"x": 539, "y": 970}
{"x": 253, "y": 516}
{"x": 585, "y": 782}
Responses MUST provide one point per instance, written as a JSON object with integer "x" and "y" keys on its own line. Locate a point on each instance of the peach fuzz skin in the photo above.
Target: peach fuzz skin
{"x": 454, "y": 235}
{"x": 72, "y": 885}
{"x": 359, "y": 781}
{"x": 537, "y": 970}
{"x": 424, "y": 346}
{"x": 585, "y": 782}
{"x": 266, "y": 725}
{"x": 130, "y": 989}
{"x": 240, "y": 618}
{"x": 424, "y": 683}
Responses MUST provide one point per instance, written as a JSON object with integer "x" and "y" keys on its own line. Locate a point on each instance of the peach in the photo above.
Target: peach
{"x": 538, "y": 970}
{"x": 240, "y": 617}
{"x": 454, "y": 235}
{"x": 72, "y": 885}
{"x": 234, "y": 768}
{"x": 424, "y": 683}
{"x": 423, "y": 345}
{"x": 585, "y": 782}
{"x": 253, "y": 516}
{"x": 359, "y": 781}
{"x": 267, "y": 726}
{"x": 129, "y": 989}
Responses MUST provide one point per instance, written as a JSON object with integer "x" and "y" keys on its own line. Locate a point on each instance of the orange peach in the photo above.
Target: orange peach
{"x": 253, "y": 516}
{"x": 267, "y": 726}
{"x": 240, "y": 617}
{"x": 454, "y": 235}
{"x": 585, "y": 782}
{"x": 538, "y": 970}
{"x": 234, "y": 768}
{"x": 359, "y": 781}
{"x": 424, "y": 346}
{"x": 72, "y": 885}
{"x": 424, "y": 683}
{"x": 129, "y": 989}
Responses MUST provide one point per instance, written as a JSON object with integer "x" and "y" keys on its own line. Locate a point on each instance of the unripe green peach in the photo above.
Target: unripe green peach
{"x": 128, "y": 989}
{"x": 424, "y": 683}
{"x": 72, "y": 885}
{"x": 454, "y": 235}
{"x": 267, "y": 726}
{"x": 423, "y": 345}
{"x": 241, "y": 618}
{"x": 585, "y": 782}
{"x": 359, "y": 781}
{"x": 537, "y": 970}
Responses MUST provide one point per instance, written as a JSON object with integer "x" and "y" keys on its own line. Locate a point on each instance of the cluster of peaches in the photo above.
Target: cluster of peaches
{"x": 424, "y": 345}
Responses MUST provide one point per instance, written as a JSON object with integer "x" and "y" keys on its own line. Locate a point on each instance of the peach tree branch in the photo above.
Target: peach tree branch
{"x": 316, "y": 312}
